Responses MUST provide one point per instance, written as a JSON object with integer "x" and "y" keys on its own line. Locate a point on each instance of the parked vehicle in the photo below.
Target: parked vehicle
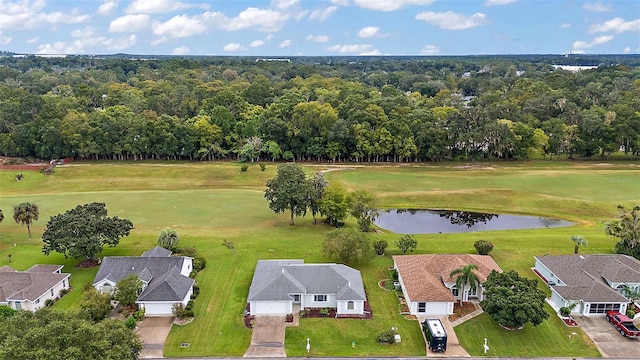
{"x": 435, "y": 334}
{"x": 623, "y": 323}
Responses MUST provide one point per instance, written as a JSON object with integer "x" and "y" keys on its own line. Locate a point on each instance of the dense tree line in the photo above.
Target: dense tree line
{"x": 382, "y": 109}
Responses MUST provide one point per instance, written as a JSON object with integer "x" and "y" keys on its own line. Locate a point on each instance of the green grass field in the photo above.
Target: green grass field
{"x": 209, "y": 203}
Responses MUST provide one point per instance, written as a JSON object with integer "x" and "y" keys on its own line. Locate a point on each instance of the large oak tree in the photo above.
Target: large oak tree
{"x": 289, "y": 190}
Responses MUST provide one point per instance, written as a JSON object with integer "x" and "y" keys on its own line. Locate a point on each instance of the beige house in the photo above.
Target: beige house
{"x": 30, "y": 289}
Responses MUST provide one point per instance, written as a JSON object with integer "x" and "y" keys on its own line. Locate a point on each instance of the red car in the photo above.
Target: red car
{"x": 623, "y": 323}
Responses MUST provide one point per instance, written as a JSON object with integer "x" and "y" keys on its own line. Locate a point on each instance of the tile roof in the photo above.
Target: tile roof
{"x": 424, "y": 275}
{"x": 28, "y": 285}
{"x": 276, "y": 279}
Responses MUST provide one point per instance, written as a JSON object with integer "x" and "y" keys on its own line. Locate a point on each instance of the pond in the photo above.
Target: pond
{"x": 420, "y": 221}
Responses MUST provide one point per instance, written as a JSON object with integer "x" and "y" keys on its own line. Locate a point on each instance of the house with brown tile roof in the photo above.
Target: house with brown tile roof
{"x": 594, "y": 283}
{"x": 427, "y": 286}
{"x": 30, "y": 289}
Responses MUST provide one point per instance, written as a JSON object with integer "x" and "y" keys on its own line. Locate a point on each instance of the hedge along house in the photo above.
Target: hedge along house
{"x": 165, "y": 279}
{"x": 279, "y": 284}
{"x": 30, "y": 289}
{"x": 590, "y": 284}
{"x": 427, "y": 286}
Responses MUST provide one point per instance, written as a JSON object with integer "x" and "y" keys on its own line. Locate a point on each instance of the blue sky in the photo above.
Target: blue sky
{"x": 320, "y": 27}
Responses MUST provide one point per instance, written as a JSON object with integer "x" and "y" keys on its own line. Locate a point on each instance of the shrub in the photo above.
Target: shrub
{"x": 394, "y": 274}
{"x": 130, "y": 322}
{"x": 7, "y": 312}
{"x": 387, "y": 336}
{"x": 380, "y": 246}
{"x": 181, "y": 312}
{"x": 64, "y": 292}
{"x": 139, "y": 314}
{"x": 189, "y": 305}
{"x": 49, "y": 302}
{"x": 483, "y": 247}
{"x": 631, "y": 313}
{"x": 199, "y": 263}
{"x": 244, "y": 167}
{"x": 262, "y": 167}
{"x": 324, "y": 311}
{"x": 565, "y": 311}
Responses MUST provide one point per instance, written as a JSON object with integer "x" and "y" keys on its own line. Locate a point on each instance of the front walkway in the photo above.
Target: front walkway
{"x": 267, "y": 339}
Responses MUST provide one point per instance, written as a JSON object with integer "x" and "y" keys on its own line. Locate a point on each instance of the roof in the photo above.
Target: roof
{"x": 28, "y": 285}
{"x": 157, "y": 252}
{"x": 47, "y": 269}
{"x": 424, "y": 276}
{"x": 589, "y": 277}
{"x": 276, "y": 279}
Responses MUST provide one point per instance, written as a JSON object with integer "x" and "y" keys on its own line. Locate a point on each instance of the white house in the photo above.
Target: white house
{"x": 427, "y": 287}
{"x": 589, "y": 284}
{"x": 279, "y": 284}
{"x": 165, "y": 279}
{"x": 30, "y": 289}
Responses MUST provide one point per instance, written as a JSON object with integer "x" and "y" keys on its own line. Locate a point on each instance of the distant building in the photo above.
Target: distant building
{"x": 30, "y": 289}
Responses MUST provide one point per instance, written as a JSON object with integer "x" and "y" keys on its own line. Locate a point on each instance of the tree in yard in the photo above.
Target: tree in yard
{"x": 380, "y": 246}
{"x": 407, "y": 243}
{"x": 26, "y": 213}
{"x": 578, "y": 241}
{"x": 127, "y": 290}
{"x": 334, "y": 205}
{"x": 289, "y": 190}
{"x": 82, "y": 232}
{"x": 465, "y": 276}
{"x": 483, "y": 247}
{"x": 348, "y": 245}
{"x": 168, "y": 238}
{"x": 363, "y": 207}
{"x": 627, "y": 230}
{"x": 513, "y": 301}
{"x": 318, "y": 187}
{"x": 95, "y": 306}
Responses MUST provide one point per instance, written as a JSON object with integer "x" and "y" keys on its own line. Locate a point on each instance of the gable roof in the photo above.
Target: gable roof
{"x": 276, "y": 279}
{"x": 588, "y": 277}
{"x": 424, "y": 275}
{"x": 28, "y": 285}
{"x": 157, "y": 252}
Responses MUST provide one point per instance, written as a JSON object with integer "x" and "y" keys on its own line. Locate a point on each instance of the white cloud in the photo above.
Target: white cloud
{"x": 257, "y": 43}
{"x": 368, "y": 31}
{"x": 498, "y": 2}
{"x": 361, "y": 49}
{"x": 579, "y": 47}
{"x": 616, "y": 25}
{"x": 626, "y": 50}
{"x": 130, "y": 23}
{"x": 155, "y": 6}
{"x": 263, "y": 20}
{"x": 87, "y": 40}
{"x": 285, "y": 44}
{"x": 284, "y": 4}
{"x": 389, "y": 5}
{"x": 596, "y": 7}
{"x": 107, "y": 8}
{"x": 452, "y": 21}
{"x": 29, "y": 15}
{"x": 179, "y": 26}
{"x": 33, "y": 40}
{"x": 318, "y": 38}
{"x": 340, "y": 2}
{"x": 565, "y": 26}
{"x": 322, "y": 14}
{"x": 430, "y": 50}
{"x": 233, "y": 47}
{"x": 4, "y": 40}
{"x": 180, "y": 50}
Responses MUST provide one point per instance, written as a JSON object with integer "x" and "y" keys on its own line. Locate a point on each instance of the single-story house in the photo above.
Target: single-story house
{"x": 427, "y": 287}
{"x": 279, "y": 284}
{"x": 30, "y": 289}
{"x": 165, "y": 279}
{"x": 592, "y": 284}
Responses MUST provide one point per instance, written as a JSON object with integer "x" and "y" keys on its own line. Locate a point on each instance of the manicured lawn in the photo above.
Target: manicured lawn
{"x": 209, "y": 203}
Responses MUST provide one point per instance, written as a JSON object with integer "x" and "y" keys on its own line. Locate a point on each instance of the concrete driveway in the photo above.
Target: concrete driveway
{"x": 607, "y": 338}
{"x": 154, "y": 331}
{"x": 267, "y": 339}
{"x": 454, "y": 349}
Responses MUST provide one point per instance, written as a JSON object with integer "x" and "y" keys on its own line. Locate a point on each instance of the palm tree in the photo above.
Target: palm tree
{"x": 168, "y": 238}
{"x": 26, "y": 213}
{"x": 465, "y": 275}
{"x": 579, "y": 240}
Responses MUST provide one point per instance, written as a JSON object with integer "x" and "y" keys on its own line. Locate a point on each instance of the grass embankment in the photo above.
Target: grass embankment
{"x": 209, "y": 203}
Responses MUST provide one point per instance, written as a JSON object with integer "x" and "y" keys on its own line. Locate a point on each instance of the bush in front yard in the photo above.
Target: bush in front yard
{"x": 483, "y": 247}
{"x": 565, "y": 311}
{"x": 387, "y": 336}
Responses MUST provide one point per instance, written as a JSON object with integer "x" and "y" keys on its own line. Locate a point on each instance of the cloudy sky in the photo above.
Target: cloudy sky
{"x": 320, "y": 27}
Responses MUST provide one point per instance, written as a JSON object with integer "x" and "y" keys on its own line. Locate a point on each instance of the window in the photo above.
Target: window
{"x": 422, "y": 307}
{"x": 51, "y": 292}
{"x": 37, "y": 301}
{"x": 454, "y": 291}
{"x": 473, "y": 291}
{"x": 64, "y": 283}
{"x": 350, "y": 305}
{"x": 319, "y": 298}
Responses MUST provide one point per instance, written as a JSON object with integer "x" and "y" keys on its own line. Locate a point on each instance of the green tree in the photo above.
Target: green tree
{"x": 578, "y": 240}
{"x": 483, "y": 247}
{"x": 465, "y": 276}
{"x": 289, "y": 190}
{"x": 362, "y": 205}
{"x": 380, "y": 246}
{"x": 127, "y": 290}
{"x": 627, "y": 230}
{"x": 94, "y": 305}
{"x": 512, "y": 300}
{"x": 168, "y": 238}
{"x": 26, "y": 213}
{"x": 407, "y": 243}
{"x": 333, "y": 205}
{"x": 82, "y": 232}
{"x": 318, "y": 187}
{"x": 348, "y": 246}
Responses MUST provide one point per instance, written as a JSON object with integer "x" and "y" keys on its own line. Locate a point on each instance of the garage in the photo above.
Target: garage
{"x": 271, "y": 307}
{"x": 157, "y": 309}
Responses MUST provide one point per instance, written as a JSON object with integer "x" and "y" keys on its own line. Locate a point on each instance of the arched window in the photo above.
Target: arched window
{"x": 350, "y": 305}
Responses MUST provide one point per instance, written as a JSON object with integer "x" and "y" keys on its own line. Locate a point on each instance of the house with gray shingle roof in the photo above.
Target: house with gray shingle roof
{"x": 594, "y": 283}
{"x": 427, "y": 287}
{"x": 30, "y": 289}
{"x": 279, "y": 284}
{"x": 165, "y": 279}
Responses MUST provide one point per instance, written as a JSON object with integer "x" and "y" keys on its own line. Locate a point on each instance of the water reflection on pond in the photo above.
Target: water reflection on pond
{"x": 418, "y": 221}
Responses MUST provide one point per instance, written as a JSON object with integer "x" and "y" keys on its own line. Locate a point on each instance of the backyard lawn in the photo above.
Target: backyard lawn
{"x": 208, "y": 203}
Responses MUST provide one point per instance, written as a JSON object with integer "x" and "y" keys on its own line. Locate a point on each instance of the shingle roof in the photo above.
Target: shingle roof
{"x": 170, "y": 286}
{"x": 28, "y": 285}
{"x": 276, "y": 279}
{"x": 424, "y": 275}
{"x": 157, "y": 252}
{"x": 47, "y": 269}
{"x": 588, "y": 276}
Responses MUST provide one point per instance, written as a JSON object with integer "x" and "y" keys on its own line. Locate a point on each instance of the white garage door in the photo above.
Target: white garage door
{"x": 158, "y": 309}
{"x": 270, "y": 307}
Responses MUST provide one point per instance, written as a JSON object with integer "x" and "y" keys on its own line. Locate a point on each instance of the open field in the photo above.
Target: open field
{"x": 207, "y": 203}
